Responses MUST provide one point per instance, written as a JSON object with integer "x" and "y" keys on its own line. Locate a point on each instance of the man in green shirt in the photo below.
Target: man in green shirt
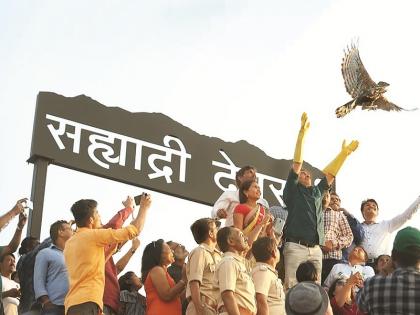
{"x": 304, "y": 230}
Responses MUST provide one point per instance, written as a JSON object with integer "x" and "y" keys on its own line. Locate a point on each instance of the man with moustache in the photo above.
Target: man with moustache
{"x": 236, "y": 289}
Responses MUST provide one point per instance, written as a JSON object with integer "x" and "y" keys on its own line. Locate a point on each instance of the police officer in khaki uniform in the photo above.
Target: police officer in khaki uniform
{"x": 268, "y": 287}
{"x": 236, "y": 289}
{"x": 201, "y": 293}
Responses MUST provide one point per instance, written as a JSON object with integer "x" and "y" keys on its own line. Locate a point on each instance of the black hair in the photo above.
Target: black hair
{"x": 151, "y": 257}
{"x": 306, "y": 272}
{"x": 55, "y": 227}
{"x": 222, "y": 238}
{"x": 2, "y": 257}
{"x": 24, "y": 245}
{"x": 262, "y": 248}
{"x": 409, "y": 258}
{"x": 366, "y": 201}
{"x": 241, "y": 173}
{"x": 333, "y": 286}
{"x": 83, "y": 210}
{"x": 200, "y": 229}
{"x": 244, "y": 187}
{"x": 124, "y": 281}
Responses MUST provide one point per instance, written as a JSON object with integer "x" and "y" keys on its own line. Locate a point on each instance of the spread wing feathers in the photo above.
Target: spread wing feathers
{"x": 383, "y": 103}
{"x": 356, "y": 78}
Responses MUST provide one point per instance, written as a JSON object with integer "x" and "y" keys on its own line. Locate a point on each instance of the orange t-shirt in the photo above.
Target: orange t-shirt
{"x": 155, "y": 305}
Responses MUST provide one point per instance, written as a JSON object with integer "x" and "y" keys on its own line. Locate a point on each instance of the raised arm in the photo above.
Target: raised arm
{"x": 9, "y": 215}
{"x": 298, "y": 156}
{"x": 122, "y": 263}
{"x": 399, "y": 220}
{"x": 332, "y": 169}
{"x": 145, "y": 202}
{"x": 118, "y": 219}
{"x": 14, "y": 243}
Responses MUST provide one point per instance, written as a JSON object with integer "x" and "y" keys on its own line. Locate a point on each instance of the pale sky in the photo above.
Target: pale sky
{"x": 237, "y": 70}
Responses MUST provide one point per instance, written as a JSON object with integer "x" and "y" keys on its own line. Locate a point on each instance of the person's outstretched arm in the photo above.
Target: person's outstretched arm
{"x": 9, "y": 215}
{"x": 395, "y": 223}
{"x": 123, "y": 261}
{"x": 14, "y": 243}
{"x": 332, "y": 169}
{"x": 145, "y": 202}
{"x": 298, "y": 156}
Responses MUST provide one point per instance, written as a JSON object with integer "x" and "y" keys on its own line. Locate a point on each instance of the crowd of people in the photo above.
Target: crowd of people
{"x": 324, "y": 261}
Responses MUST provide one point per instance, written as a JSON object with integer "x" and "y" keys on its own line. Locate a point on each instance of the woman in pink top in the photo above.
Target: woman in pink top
{"x": 162, "y": 294}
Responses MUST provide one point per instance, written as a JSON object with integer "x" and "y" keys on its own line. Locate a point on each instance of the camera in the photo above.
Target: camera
{"x": 138, "y": 198}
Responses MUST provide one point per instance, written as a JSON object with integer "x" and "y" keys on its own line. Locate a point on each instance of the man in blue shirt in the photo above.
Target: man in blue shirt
{"x": 50, "y": 272}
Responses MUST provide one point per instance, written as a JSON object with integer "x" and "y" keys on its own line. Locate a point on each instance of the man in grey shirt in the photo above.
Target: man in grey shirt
{"x": 50, "y": 272}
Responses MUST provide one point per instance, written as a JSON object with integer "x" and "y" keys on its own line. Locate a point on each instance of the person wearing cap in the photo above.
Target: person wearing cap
{"x": 202, "y": 261}
{"x": 307, "y": 298}
{"x": 399, "y": 292}
{"x": 378, "y": 235}
{"x": 236, "y": 289}
{"x": 304, "y": 232}
{"x": 268, "y": 286}
{"x": 226, "y": 203}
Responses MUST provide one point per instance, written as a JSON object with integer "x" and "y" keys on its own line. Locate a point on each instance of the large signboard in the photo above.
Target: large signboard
{"x": 148, "y": 150}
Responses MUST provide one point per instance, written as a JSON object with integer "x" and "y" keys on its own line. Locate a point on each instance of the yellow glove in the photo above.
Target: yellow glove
{"x": 304, "y": 126}
{"x": 336, "y": 164}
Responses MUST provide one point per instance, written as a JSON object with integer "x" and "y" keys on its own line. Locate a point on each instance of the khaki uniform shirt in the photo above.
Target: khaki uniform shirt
{"x": 231, "y": 275}
{"x": 201, "y": 266}
{"x": 266, "y": 282}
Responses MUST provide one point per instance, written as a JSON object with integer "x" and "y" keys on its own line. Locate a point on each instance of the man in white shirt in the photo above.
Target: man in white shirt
{"x": 377, "y": 235}
{"x": 224, "y": 206}
{"x": 10, "y": 289}
{"x": 357, "y": 260}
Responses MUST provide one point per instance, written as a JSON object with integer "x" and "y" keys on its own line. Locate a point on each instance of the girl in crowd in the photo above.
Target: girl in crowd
{"x": 342, "y": 295}
{"x": 162, "y": 294}
{"x": 131, "y": 301}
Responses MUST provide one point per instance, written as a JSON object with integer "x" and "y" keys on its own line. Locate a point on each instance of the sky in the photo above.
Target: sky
{"x": 237, "y": 70}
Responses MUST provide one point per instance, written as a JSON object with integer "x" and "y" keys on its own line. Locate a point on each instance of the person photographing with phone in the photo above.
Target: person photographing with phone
{"x": 84, "y": 254}
{"x": 356, "y": 264}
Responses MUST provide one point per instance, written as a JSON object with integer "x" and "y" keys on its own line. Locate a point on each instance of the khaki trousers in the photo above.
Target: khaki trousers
{"x": 207, "y": 309}
{"x": 295, "y": 254}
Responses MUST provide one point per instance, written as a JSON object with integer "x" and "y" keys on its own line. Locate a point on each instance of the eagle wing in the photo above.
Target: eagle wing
{"x": 356, "y": 78}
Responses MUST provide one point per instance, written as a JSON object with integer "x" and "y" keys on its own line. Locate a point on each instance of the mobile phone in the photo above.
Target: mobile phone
{"x": 359, "y": 269}
{"x": 27, "y": 204}
{"x": 278, "y": 225}
{"x": 137, "y": 198}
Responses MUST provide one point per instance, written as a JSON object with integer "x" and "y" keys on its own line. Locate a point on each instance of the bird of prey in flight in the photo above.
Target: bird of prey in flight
{"x": 365, "y": 92}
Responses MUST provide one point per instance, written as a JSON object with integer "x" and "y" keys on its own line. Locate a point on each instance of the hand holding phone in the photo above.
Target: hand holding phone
{"x": 278, "y": 225}
{"x": 144, "y": 196}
